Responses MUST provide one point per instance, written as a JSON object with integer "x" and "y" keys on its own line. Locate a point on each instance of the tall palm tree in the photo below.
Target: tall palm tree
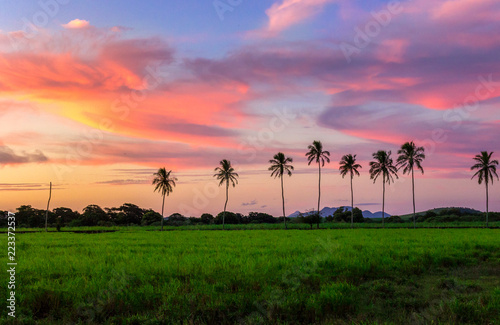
{"x": 226, "y": 174}
{"x": 280, "y": 165}
{"x": 383, "y": 165}
{"x": 164, "y": 184}
{"x": 348, "y": 165}
{"x": 317, "y": 154}
{"x": 486, "y": 168}
{"x": 410, "y": 156}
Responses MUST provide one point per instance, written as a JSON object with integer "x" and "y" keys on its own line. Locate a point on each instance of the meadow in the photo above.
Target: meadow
{"x": 326, "y": 276}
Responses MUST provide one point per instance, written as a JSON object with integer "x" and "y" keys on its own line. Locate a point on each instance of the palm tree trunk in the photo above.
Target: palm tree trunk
{"x": 162, "y": 206}
{"x": 486, "y": 203}
{"x": 283, "y": 200}
{"x": 319, "y": 192}
{"x": 383, "y": 201}
{"x": 352, "y": 204}
{"x": 225, "y": 205}
{"x": 413, "y": 191}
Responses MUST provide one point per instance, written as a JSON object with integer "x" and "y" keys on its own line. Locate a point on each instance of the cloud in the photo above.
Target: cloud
{"x": 450, "y": 139}
{"x": 125, "y": 81}
{"x": 253, "y": 202}
{"x": 9, "y": 157}
{"x": 76, "y": 24}
{"x": 26, "y": 187}
{"x": 124, "y": 182}
{"x": 197, "y": 129}
{"x": 114, "y": 64}
{"x": 466, "y": 10}
{"x": 120, "y": 29}
{"x": 287, "y": 13}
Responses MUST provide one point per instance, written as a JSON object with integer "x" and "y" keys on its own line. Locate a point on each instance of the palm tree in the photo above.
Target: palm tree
{"x": 486, "y": 168}
{"x": 409, "y": 156}
{"x": 164, "y": 184}
{"x": 280, "y": 165}
{"x": 317, "y": 154}
{"x": 383, "y": 165}
{"x": 226, "y": 174}
{"x": 348, "y": 165}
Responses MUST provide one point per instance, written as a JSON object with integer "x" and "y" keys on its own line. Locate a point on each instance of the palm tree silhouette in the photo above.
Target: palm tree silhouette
{"x": 164, "y": 184}
{"x": 383, "y": 165}
{"x": 317, "y": 154}
{"x": 486, "y": 168}
{"x": 279, "y": 165}
{"x": 410, "y": 156}
{"x": 226, "y": 174}
{"x": 348, "y": 165}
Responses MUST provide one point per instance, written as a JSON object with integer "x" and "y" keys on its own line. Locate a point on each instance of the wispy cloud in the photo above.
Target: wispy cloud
{"x": 253, "y": 202}
{"x": 284, "y": 14}
{"x": 124, "y": 182}
{"x": 26, "y": 187}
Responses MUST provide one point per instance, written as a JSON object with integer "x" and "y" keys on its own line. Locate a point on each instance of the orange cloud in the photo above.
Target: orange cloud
{"x": 76, "y": 24}
{"x": 123, "y": 82}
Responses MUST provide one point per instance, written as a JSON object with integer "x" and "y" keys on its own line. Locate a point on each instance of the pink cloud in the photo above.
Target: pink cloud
{"x": 467, "y": 10}
{"x": 58, "y": 65}
{"x": 77, "y": 24}
{"x": 392, "y": 50}
{"x": 287, "y": 13}
{"x": 114, "y": 82}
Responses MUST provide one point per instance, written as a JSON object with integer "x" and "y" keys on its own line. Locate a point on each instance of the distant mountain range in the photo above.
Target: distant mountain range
{"x": 327, "y": 211}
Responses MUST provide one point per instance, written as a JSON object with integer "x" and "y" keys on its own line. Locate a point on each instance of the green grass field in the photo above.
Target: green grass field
{"x": 360, "y": 276}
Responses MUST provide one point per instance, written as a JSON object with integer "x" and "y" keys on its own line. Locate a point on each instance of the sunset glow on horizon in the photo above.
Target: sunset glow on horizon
{"x": 95, "y": 97}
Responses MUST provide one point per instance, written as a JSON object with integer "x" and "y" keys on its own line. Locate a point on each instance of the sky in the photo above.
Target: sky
{"x": 96, "y": 96}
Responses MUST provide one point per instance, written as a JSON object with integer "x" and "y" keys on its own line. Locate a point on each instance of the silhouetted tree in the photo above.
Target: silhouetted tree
{"x": 318, "y": 155}
{"x": 279, "y": 166}
{"x": 3, "y": 218}
{"x": 207, "y": 218}
{"x": 343, "y": 214}
{"x": 66, "y": 215}
{"x": 165, "y": 184}
{"x": 229, "y": 218}
{"x": 486, "y": 169}
{"x": 177, "y": 219}
{"x": 23, "y": 214}
{"x": 312, "y": 218}
{"x": 260, "y": 217}
{"x": 226, "y": 174}
{"x": 150, "y": 217}
{"x": 92, "y": 214}
{"x": 349, "y": 166}
{"x": 383, "y": 165}
{"x": 410, "y": 156}
{"x": 126, "y": 214}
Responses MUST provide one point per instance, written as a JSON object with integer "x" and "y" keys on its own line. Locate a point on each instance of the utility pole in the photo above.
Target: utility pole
{"x": 47, "y": 211}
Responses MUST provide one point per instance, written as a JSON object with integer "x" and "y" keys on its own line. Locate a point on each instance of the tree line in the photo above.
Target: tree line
{"x": 410, "y": 157}
{"x": 130, "y": 214}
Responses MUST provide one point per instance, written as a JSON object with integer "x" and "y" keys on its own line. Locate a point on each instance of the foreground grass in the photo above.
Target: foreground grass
{"x": 361, "y": 276}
